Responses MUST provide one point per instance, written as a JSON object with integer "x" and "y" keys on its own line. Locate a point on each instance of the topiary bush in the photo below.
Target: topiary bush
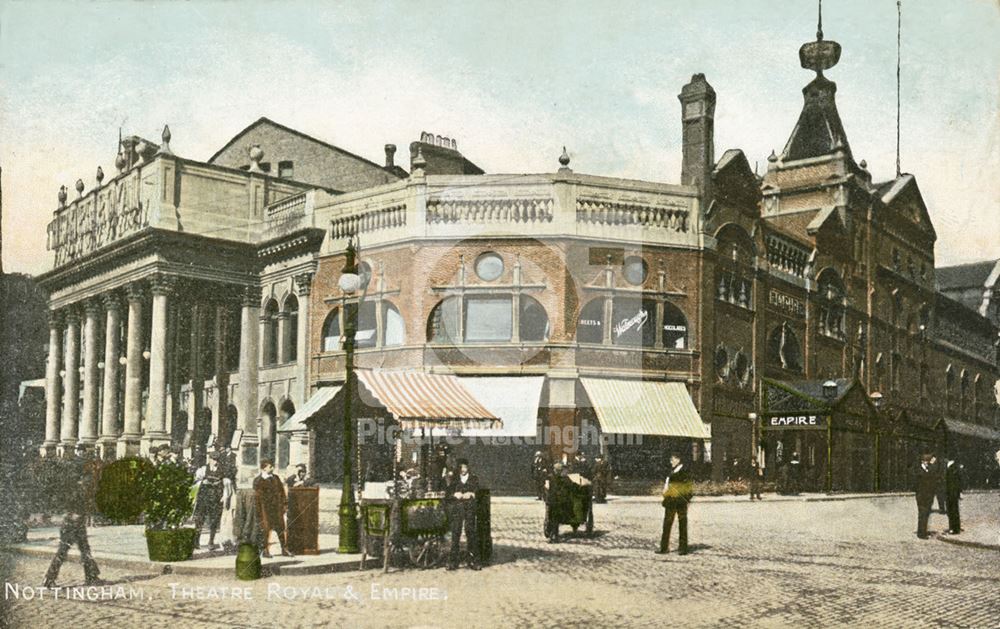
{"x": 166, "y": 492}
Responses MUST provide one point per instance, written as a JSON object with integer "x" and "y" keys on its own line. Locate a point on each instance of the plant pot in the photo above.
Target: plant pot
{"x": 171, "y": 544}
{"x": 248, "y": 562}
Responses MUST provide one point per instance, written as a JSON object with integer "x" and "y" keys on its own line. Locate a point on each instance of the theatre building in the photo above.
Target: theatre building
{"x": 725, "y": 315}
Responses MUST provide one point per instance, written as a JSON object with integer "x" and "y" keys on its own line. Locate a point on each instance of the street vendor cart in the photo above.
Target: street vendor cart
{"x": 404, "y": 521}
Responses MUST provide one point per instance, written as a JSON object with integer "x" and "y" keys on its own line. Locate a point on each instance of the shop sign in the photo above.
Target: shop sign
{"x": 797, "y": 420}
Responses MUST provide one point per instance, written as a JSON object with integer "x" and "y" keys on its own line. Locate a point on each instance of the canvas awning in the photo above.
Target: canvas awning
{"x": 642, "y": 407}
{"x": 316, "y": 403}
{"x": 971, "y": 430}
{"x": 420, "y": 400}
{"x": 513, "y": 399}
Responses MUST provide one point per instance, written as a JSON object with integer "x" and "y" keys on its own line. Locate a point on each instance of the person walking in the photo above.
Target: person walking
{"x": 925, "y": 488}
{"x": 461, "y": 495}
{"x": 209, "y": 503}
{"x": 602, "y": 479}
{"x": 953, "y": 489}
{"x": 677, "y": 493}
{"x": 539, "y": 470}
{"x": 756, "y": 478}
{"x": 271, "y": 505}
{"x": 73, "y": 532}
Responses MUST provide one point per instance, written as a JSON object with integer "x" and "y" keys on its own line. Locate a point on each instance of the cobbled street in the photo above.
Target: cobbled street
{"x": 854, "y": 563}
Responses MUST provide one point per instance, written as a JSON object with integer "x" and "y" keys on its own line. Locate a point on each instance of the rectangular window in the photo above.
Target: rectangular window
{"x": 488, "y": 319}
{"x": 286, "y": 170}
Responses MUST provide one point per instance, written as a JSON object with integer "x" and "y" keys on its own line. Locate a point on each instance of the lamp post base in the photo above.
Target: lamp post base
{"x": 348, "y": 538}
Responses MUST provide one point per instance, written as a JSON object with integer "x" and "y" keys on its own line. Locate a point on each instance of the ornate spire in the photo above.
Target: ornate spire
{"x": 165, "y": 136}
{"x": 819, "y": 55}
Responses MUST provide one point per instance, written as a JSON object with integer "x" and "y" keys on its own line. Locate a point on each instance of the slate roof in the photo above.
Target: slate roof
{"x": 974, "y": 274}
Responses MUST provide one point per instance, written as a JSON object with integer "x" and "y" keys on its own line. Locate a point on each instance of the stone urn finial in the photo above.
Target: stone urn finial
{"x": 165, "y": 136}
{"x": 140, "y": 150}
{"x": 419, "y": 163}
{"x": 256, "y": 154}
{"x": 120, "y": 160}
{"x": 62, "y": 196}
{"x": 79, "y": 188}
{"x": 100, "y": 175}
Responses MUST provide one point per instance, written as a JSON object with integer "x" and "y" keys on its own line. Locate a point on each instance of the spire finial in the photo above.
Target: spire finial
{"x": 165, "y": 136}
{"x": 819, "y": 24}
{"x": 419, "y": 163}
{"x": 564, "y": 161}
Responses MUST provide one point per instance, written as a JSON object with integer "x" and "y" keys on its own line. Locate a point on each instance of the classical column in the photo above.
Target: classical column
{"x": 249, "y": 344}
{"x": 128, "y": 444}
{"x": 156, "y": 422}
{"x": 219, "y": 415}
{"x": 71, "y": 380}
{"x": 91, "y": 374}
{"x": 112, "y": 349}
{"x": 53, "y": 385}
{"x": 303, "y": 284}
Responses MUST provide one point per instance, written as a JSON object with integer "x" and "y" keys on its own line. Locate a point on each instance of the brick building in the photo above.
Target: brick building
{"x": 726, "y": 315}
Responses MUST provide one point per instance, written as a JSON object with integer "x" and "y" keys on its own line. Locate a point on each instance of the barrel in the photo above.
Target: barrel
{"x": 247, "y": 562}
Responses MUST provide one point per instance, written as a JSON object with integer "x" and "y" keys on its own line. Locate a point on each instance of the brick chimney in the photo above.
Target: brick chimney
{"x": 698, "y": 120}
{"x": 390, "y": 155}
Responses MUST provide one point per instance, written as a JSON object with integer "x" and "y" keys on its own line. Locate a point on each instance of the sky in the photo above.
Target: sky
{"x": 512, "y": 81}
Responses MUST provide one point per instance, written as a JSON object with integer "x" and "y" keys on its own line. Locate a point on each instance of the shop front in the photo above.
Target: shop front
{"x": 819, "y": 436}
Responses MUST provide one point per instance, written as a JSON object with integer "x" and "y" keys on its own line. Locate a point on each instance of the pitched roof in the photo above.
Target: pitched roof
{"x": 266, "y": 120}
{"x": 819, "y": 130}
{"x": 974, "y": 274}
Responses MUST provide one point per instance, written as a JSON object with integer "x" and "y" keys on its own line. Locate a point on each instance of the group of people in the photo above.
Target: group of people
{"x": 597, "y": 472}
{"x": 941, "y": 480}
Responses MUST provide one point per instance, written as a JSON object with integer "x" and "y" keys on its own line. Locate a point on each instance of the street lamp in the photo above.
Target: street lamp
{"x": 876, "y": 398}
{"x": 830, "y": 390}
{"x": 350, "y": 282}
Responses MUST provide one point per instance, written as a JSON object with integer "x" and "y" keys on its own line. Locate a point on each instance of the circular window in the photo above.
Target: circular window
{"x": 722, "y": 363}
{"x": 636, "y": 270}
{"x": 489, "y": 266}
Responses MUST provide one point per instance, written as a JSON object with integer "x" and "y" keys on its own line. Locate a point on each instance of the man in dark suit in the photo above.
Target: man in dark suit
{"x": 271, "y": 504}
{"x": 925, "y": 486}
{"x": 461, "y": 495}
{"x": 677, "y": 493}
{"x": 73, "y": 531}
{"x": 953, "y": 489}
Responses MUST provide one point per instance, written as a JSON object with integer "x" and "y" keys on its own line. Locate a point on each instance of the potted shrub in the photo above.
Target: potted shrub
{"x": 166, "y": 490}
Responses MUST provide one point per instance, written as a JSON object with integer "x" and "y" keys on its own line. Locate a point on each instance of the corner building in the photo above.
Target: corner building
{"x": 704, "y": 316}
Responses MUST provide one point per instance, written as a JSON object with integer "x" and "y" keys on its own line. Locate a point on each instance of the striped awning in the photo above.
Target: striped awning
{"x": 319, "y": 399}
{"x": 642, "y": 407}
{"x": 422, "y": 400}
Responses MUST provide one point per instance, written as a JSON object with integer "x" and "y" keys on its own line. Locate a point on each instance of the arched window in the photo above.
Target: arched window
{"x": 291, "y": 339}
{"x": 533, "y": 324}
{"x": 443, "y": 323}
{"x": 783, "y": 348}
{"x": 392, "y": 321}
{"x": 832, "y": 304}
{"x": 674, "y": 327}
{"x": 367, "y": 328}
{"x": 332, "y": 331}
{"x": 270, "y": 332}
{"x": 735, "y": 266}
{"x": 486, "y": 318}
{"x": 590, "y": 325}
{"x": 633, "y": 322}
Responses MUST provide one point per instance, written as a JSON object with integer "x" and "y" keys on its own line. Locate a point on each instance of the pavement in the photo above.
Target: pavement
{"x": 776, "y": 563}
{"x": 125, "y": 546}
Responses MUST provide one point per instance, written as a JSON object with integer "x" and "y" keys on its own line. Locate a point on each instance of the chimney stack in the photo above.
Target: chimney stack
{"x": 698, "y": 120}
{"x": 390, "y": 155}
